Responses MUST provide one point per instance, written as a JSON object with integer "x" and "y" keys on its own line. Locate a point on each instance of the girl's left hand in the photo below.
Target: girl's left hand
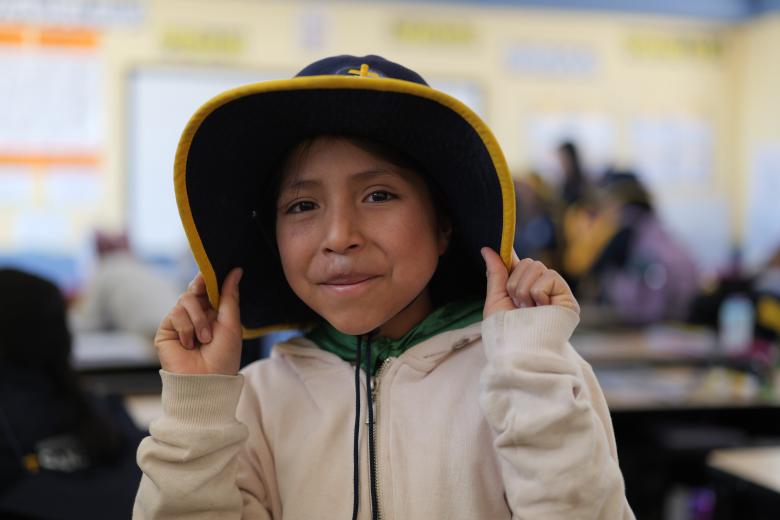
{"x": 527, "y": 284}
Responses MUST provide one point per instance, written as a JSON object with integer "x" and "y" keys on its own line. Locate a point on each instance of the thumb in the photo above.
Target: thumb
{"x": 228, "y": 311}
{"x": 497, "y": 274}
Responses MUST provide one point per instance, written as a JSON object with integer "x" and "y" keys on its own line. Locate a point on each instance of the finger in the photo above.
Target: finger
{"x": 545, "y": 287}
{"x": 183, "y": 326}
{"x": 197, "y": 285}
{"x": 496, "y": 273}
{"x": 518, "y": 272}
{"x": 522, "y": 280}
{"x": 198, "y": 316}
{"x": 228, "y": 311}
{"x": 165, "y": 331}
{"x": 515, "y": 260}
{"x": 562, "y": 294}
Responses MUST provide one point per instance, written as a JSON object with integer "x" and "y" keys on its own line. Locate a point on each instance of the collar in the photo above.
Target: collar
{"x": 450, "y": 316}
{"x": 424, "y": 355}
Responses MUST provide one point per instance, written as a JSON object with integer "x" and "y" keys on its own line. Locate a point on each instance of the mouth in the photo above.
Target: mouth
{"x": 348, "y": 283}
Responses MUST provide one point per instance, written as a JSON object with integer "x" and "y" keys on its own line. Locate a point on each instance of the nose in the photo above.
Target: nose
{"x": 342, "y": 231}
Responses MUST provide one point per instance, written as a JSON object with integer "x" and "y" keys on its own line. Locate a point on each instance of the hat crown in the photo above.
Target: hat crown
{"x": 346, "y": 65}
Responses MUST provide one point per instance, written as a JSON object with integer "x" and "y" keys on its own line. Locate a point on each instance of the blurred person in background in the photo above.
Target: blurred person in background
{"x": 577, "y": 217}
{"x": 63, "y": 452}
{"x": 627, "y": 262}
{"x": 537, "y": 230}
{"x": 576, "y": 185}
{"x": 125, "y": 294}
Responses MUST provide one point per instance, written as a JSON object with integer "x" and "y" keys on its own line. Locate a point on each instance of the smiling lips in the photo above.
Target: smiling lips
{"x": 348, "y": 283}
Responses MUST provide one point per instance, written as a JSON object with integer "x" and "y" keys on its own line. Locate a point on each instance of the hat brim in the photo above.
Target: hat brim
{"x": 232, "y": 144}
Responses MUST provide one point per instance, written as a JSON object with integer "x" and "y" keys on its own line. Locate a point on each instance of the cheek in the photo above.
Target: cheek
{"x": 292, "y": 245}
{"x": 418, "y": 240}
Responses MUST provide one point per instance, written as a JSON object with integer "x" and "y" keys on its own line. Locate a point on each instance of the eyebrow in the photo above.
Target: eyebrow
{"x": 360, "y": 176}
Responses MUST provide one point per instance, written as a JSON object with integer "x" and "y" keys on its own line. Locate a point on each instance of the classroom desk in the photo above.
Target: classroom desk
{"x": 143, "y": 408}
{"x": 758, "y": 466}
{"x": 116, "y": 363}
{"x": 636, "y": 388}
{"x": 747, "y": 482}
{"x": 671, "y": 367}
{"x": 674, "y": 397}
{"x": 112, "y": 350}
{"x": 656, "y": 344}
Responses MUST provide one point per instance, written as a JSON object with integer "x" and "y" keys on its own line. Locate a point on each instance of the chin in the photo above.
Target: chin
{"x": 354, "y": 325}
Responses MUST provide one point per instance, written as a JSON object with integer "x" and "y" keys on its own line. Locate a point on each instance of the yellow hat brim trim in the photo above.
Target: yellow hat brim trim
{"x": 336, "y": 83}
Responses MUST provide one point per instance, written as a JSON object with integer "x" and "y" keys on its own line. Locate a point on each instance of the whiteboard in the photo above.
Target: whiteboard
{"x": 160, "y": 101}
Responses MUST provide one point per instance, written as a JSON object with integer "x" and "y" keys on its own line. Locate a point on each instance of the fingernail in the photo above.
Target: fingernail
{"x": 239, "y": 275}
{"x": 523, "y": 305}
{"x": 482, "y": 252}
{"x": 205, "y": 333}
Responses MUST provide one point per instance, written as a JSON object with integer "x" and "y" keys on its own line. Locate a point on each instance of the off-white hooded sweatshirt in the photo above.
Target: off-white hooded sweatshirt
{"x": 501, "y": 419}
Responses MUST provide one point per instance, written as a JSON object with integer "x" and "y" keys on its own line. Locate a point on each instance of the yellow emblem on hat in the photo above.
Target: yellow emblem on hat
{"x": 363, "y": 72}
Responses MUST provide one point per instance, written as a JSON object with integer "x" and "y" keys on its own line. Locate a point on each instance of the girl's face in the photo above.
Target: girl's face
{"x": 358, "y": 238}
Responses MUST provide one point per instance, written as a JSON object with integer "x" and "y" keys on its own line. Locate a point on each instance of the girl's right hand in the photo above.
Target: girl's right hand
{"x": 196, "y": 339}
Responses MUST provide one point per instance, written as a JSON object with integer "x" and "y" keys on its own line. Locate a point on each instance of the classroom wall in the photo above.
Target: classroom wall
{"x": 620, "y": 82}
{"x": 605, "y": 77}
{"x": 756, "y": 134}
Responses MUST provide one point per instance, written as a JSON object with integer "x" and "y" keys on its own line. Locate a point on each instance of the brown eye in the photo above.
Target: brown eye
{"x": 380, "y": 196}
{"x": 300, "y": 207}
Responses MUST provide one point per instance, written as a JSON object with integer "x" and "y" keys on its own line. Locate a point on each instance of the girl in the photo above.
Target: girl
{"x": 353, "y": 201}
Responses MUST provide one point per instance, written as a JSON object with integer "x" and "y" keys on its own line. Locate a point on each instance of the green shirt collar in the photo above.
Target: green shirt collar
{"x": 454, "y": 315}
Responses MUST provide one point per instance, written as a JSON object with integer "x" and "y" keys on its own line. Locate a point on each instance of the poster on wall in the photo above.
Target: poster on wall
{"x": 701, "y": 221}
{"x": 82, "y": 13}
{"x": 51, "y": 137}
{"x": 593, "y": 133}
{"x": 466, "y": 91}
{"x": 672, "y": 150}
{"x": 570, "y": 60}
{"x": 762, "y": 223}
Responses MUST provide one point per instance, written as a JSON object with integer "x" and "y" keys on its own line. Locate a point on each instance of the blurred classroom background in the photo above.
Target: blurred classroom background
{"x": 643, "y": 136}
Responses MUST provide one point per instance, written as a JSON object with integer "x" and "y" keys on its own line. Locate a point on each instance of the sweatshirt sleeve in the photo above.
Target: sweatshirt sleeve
{"x": 553, "y": 434}
{"x": 190, "y": 461}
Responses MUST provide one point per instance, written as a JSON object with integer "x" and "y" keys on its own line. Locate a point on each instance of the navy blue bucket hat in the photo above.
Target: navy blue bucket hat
{"x": 235, "y": 143}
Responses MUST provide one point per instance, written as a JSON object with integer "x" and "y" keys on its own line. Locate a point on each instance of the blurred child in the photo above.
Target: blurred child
{"x": 576, "y": 185}
{"x": 634, "y": 266}
{"x": 358, "y": 202}
{"x": 537, "y": 231}
{"x": 125, "y": 294}
{"x": 63, "y": 453}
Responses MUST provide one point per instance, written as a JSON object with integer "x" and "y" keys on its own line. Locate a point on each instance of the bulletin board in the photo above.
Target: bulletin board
{"x": 761, "y": 233}
{"x": 51, "y": 142}
{"x": 160, "y": 101}
{"x": 51, "y": 147}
